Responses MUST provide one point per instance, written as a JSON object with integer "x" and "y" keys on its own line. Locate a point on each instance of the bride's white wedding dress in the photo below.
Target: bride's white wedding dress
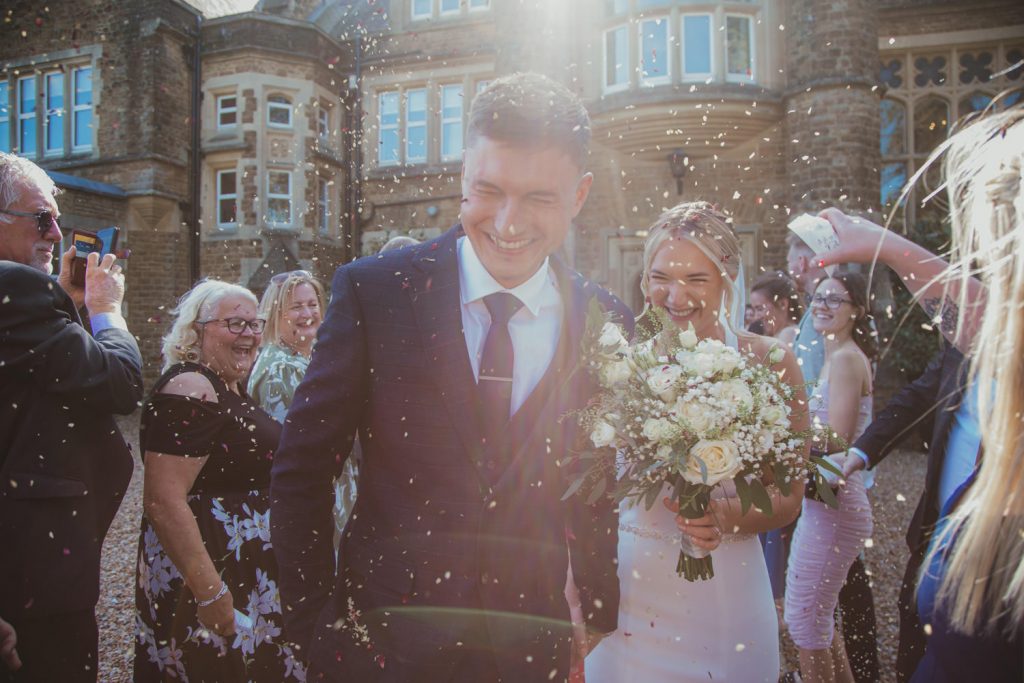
{"x": 671, "y": 629}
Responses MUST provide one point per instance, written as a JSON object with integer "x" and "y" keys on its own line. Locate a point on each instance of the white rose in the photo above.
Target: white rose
{"x": 776, "y": 354}
{"x": 774, "y": 415}
{"x": 602, "y": 434}
{"x": 695, "y": 416}
{"x": 664, "y": 452}
{"x": 658, "y": 429}
{"x": 688, "y": 337}
{"x": 615, "y": 373}
{"x": 727, "y": 360}
{"x": 697, "y": 363}
{"x": 662, "y": 381}
{"x": 721, "y": 460}
{"x": 734, "y": 391}
{"x": 611, "y": 338}
{"x": 643, "y": 354}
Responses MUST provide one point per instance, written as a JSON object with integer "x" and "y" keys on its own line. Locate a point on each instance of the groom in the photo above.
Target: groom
{"x": 454, "y": 361}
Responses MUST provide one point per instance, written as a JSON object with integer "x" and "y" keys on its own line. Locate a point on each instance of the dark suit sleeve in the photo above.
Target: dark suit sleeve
{"x": 909, "y": 408}
{"x": 594, "y": 535}
{"x": 40, "y": 338}
{"x": 317, "y": 438}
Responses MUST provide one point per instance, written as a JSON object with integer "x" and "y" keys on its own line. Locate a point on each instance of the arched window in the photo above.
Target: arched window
{"x": 893, "y": 138}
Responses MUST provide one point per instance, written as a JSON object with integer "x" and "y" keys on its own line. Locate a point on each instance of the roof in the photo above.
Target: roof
{"x": 71, "y": 182}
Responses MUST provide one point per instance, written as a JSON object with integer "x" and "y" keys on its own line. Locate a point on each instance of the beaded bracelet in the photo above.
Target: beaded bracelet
{"x": 220, "y": 594}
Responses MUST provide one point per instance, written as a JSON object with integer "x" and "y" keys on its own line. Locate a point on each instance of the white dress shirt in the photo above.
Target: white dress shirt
{"x": 535, "y": 328}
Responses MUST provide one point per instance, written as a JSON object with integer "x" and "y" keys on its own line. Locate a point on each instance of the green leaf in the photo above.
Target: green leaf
{"x": 598, "y": 490}
{"x": 574, "y": 487}
{"x": 781, "y": 472}
{"x": 826, "y": 465}
{"x": 743, "y": 492}
{"x": 825, "y": 492}
{"x": 759, "y": 495}
{"x": 651, "y": 496}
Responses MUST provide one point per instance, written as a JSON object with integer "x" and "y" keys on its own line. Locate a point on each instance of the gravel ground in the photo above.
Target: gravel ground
{"x": 897, "y": 488}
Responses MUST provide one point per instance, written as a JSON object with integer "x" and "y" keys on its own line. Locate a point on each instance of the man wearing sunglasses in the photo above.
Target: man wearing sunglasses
{"x": 64, "y": 466}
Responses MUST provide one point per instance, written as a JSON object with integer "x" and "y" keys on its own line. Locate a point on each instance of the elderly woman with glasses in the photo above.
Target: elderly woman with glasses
{"x": 206, "y": 599}
{"x": 293, "y": 307}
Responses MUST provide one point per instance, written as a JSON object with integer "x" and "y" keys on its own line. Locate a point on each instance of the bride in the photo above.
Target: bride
{"x": 725, "y": 628}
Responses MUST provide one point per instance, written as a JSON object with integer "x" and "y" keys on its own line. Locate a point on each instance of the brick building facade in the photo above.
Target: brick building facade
{"x": 322, "y": 127}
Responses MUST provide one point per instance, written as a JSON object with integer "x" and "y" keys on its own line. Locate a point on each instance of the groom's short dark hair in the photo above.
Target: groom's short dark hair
{"x": 534, "y": 111}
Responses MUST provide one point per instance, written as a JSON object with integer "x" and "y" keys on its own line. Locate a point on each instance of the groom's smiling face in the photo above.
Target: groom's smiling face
{"x": 518, "y": 205}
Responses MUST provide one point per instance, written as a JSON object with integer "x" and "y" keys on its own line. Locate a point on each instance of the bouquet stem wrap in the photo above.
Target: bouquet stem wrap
{"x": 694, "y": 563}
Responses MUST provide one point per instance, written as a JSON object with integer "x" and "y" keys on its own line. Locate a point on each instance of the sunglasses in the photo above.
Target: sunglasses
{"x": 283, "y": 277}
{"x": 44, "y": 219}
{"x": 238, "y": 325}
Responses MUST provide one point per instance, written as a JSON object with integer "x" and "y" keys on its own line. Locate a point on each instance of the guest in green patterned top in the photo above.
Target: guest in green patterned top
{"x": 293, "y": 307}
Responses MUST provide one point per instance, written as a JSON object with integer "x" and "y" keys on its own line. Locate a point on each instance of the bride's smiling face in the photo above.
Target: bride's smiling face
{"x": 688, "y": 285}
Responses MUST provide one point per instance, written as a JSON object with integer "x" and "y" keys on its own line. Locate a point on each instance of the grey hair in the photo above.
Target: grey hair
{"x": 15, "y": 173}
{"x": 181, "y": 343}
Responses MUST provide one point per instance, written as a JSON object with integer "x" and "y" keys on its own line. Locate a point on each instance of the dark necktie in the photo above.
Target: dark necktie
{"x": 496, "y": 363}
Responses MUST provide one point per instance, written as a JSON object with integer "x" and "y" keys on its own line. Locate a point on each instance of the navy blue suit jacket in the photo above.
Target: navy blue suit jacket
{"x": 456, "y": 547}
{"x": 64, "y": 466}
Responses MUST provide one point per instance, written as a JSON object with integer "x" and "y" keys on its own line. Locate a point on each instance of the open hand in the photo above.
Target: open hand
{"x": 860, "y": 240}
{"x": 104, "y": 284}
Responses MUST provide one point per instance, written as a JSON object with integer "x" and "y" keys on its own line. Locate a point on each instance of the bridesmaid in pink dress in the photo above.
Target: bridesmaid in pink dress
{"x": 827, "y": 540}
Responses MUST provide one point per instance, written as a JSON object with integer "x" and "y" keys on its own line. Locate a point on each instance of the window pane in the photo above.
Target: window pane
{"x": 421, "y": 8}
{"x": 894, "y": 177}
{"x": 893, "y": 129}
{"x": 739, "y": 58}
{"x": 931, "y": 121}
{"x": 83, "y": 128}
{"x": 475, "y": 4}
{"x": 974, "y": 102}
{"x": 27, "y": 116}
{"x": 227, "y": 211}
{"x": 55, "y": 112}
{"x": 654, "y": 49}
{"x": 449, "y": 5}
{"x": 451, "y": 122}
{"x": 697, "y": 44}
{"x": 388, "y": 128}
{"x": 83, "y": 86}
{"x": 279, "y": 211}
{"x": 278, "y": 183}
{"x": 227, "y": 183}
{"x": 5, "y": 118}
{"x": 81, "y": 133}
{"x": 416, "y": 125}
{"x": 617, "y": 6}
{"x": 616, "y": 56}
{"x": 280, "y": 115}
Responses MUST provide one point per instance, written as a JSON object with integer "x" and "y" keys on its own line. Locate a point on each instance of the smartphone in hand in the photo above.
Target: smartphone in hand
{"x": 102, "y": 242}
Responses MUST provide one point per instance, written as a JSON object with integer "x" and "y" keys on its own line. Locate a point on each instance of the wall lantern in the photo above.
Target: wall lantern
{"x": 677, "y": 162}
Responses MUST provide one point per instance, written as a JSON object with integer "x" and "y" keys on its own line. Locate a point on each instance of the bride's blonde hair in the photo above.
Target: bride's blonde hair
{"x": 708, "y": 228}
{"x": 984, "y": 580}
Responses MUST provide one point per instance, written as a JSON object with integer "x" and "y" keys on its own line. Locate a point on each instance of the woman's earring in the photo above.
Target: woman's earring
{"x": 192, "y": 354}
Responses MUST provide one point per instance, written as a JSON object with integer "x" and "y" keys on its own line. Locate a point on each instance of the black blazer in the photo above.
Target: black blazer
{"x": 454, "y": 543}
{"x": 931, "y": 401}
{"x": 64, "y": 466}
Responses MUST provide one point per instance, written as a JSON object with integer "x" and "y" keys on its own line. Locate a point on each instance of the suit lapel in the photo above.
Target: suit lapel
{"x": 434, "y": 290}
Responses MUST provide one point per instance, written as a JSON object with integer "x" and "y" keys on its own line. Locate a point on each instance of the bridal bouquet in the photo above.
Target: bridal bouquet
{"x": 688, "y": 413}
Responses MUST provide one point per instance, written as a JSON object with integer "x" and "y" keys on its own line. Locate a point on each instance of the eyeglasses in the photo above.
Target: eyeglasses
{"x": 832, "y": 301}
{"x": 44, "y": 219}
{"x": 282, "y": 277}
{"x": 238, "y": 325}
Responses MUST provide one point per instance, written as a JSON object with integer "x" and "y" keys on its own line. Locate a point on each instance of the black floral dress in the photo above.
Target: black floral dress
{"x": 231, "y": 503}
